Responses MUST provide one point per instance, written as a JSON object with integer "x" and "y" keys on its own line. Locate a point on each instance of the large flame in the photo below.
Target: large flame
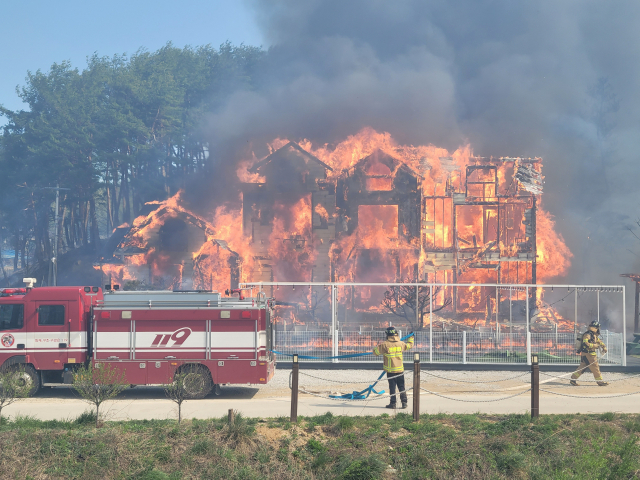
{"x": 287, "y": 244}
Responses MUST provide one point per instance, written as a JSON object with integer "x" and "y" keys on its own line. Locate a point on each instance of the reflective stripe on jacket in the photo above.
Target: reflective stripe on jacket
{"x": 591, "y": 342}
{"x": 392, "y": 350}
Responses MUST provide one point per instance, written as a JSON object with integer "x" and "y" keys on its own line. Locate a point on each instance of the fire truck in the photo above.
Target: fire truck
{"x": 147, "y": 336}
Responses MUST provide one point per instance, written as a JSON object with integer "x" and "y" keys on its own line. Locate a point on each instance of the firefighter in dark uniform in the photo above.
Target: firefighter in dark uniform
{"x": 392, "y": 350}
{"x": 591, "y": 343}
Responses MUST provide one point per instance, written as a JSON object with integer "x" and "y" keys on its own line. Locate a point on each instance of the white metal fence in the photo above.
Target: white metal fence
{"x": 448, "y": 347}
{"x": 445, "y": 317}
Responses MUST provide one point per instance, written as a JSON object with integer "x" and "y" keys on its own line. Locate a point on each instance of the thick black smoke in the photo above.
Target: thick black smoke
{"x": 535, "y": 78}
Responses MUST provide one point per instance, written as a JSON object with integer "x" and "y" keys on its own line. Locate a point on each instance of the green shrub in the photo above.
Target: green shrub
{"x": 315, "y": 446}
{"x": 367, "y": 468}
{"x": 201, "y": 447}
{"x": 608, "y": 416}
{"x": 88, "y": 417}
{"x": 241, "y": 431}
{"x": 320, "y": 461}
{"x": 345, "y": 423}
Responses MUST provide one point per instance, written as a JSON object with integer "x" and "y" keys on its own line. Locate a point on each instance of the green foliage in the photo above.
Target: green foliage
{"x": 607, "y": 416}
{"x": 345, "y": 423}
{"x": 315, "y": 446}
{"x": 367, "y": 468}
{"x": 439, "y": 446}
{"x": 201, "y": 447}
{"x": 86, "y": 418}
{"x": 241, "y": 431}
{"x": 123, "y": 131}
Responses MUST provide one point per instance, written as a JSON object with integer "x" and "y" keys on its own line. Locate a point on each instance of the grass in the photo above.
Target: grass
{"x": 325, "y": 447}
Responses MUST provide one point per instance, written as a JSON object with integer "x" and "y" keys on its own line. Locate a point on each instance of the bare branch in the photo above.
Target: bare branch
{"x": 13, "y": 386}
{"x": 98, "y": 384}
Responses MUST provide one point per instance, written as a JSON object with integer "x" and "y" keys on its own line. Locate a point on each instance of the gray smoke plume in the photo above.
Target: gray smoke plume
{"x": 534, "y": 78}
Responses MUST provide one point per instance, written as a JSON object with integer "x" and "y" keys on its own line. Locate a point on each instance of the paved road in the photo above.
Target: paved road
{"x": 273, "y": 400}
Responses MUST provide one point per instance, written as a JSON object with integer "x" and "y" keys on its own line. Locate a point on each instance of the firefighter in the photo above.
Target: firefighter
{"x": 393, "y": 364}
{"x": 591, "y": 343}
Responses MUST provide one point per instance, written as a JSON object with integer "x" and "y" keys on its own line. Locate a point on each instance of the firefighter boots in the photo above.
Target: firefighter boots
{"x": 404, "y": 404}
{"x": 391, "y": 405}
{"x": 603, "y": 384}
{"x": 574, "y": 383}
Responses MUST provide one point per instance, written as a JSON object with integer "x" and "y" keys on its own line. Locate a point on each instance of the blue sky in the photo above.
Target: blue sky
{"x": 36, "y": 33}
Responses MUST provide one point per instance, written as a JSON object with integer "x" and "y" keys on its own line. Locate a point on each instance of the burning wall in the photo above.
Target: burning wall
{"x": 366, "y": 209}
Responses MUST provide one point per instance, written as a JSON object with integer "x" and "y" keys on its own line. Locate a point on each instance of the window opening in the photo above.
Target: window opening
{"x": 51, "y": 315}
{"x": 11, "y": 317}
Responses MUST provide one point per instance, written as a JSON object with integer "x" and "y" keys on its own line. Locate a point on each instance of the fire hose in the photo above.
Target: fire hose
{"x": 363, "y": 394}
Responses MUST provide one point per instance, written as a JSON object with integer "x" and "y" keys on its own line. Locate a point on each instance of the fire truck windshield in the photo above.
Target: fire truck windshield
{"x": 11, "y": 317}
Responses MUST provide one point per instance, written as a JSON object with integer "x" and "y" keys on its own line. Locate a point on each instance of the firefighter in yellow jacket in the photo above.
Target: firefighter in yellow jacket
{"x": 393, "y": 364}
{"x": 591, "y": 343}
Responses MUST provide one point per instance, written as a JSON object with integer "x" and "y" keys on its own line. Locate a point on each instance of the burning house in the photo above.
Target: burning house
{"x": 366, "y": 210}
{"x": 158, "y": 251}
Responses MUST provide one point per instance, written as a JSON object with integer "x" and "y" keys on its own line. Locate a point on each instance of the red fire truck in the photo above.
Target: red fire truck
{"x": 149, "y": 336}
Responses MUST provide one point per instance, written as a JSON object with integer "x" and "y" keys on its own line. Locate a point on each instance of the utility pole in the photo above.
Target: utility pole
{"x": 54, "y": 260}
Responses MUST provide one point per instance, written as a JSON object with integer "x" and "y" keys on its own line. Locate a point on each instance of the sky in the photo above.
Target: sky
{"x": 37, "y": 33}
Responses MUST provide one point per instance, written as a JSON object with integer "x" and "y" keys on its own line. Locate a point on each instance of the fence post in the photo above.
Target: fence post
{"x": 535, "y": 387}
{"x": 294, "y": 389}
{"x": 231, "y": 417}
{"x": 464, "y": 346}
{"x": 430, "y": 323}
{"x": 334, "y": 323}
{"x": 526, "y": 308}
{"x": 416, "y": 387}
{"x": 528, "y": 348}
{"x": 624, "y": 327}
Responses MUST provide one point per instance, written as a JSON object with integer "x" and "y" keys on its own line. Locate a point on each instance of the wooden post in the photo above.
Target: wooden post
{"x": 416, "y": 387}
{"x": 535, "y": 387}
{"x": 294, "y": 389}
{"x": 232, "y": 417}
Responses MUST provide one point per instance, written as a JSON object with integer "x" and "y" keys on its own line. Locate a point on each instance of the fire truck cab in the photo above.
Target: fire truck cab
{"x": 148, "y": 336}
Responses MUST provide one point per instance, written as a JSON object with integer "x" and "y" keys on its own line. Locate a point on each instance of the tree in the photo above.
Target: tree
{"x": 13, "y": 386}
{"x": 122, "y": 132}
{"x": 400, "y": 300}
{"x": 97, "y": 384}
{"x": 177, "y": 391}
{"x": 191, "y": 381}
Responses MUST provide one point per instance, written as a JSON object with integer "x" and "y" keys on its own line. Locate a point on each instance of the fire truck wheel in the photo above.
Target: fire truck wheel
{"x": 197, "y": 381}
{"x": 29, "y": 376}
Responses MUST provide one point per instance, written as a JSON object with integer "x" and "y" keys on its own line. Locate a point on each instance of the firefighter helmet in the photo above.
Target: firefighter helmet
{"x": 391, "y": 332}
{"x": 595, "y": 324}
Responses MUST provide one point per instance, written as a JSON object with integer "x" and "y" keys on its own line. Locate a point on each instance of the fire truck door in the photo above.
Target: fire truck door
{"x": 13, "y": 337}
{"x": 48, "y": 334}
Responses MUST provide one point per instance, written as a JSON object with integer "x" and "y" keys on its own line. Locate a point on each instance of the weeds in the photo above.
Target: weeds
{"x": 86, "y": 418}
{"x": 366, "y": 468}
{"x": 241, "y": 431}
{"x": 439, "y": 446}
{"x": 608, "y": 416}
